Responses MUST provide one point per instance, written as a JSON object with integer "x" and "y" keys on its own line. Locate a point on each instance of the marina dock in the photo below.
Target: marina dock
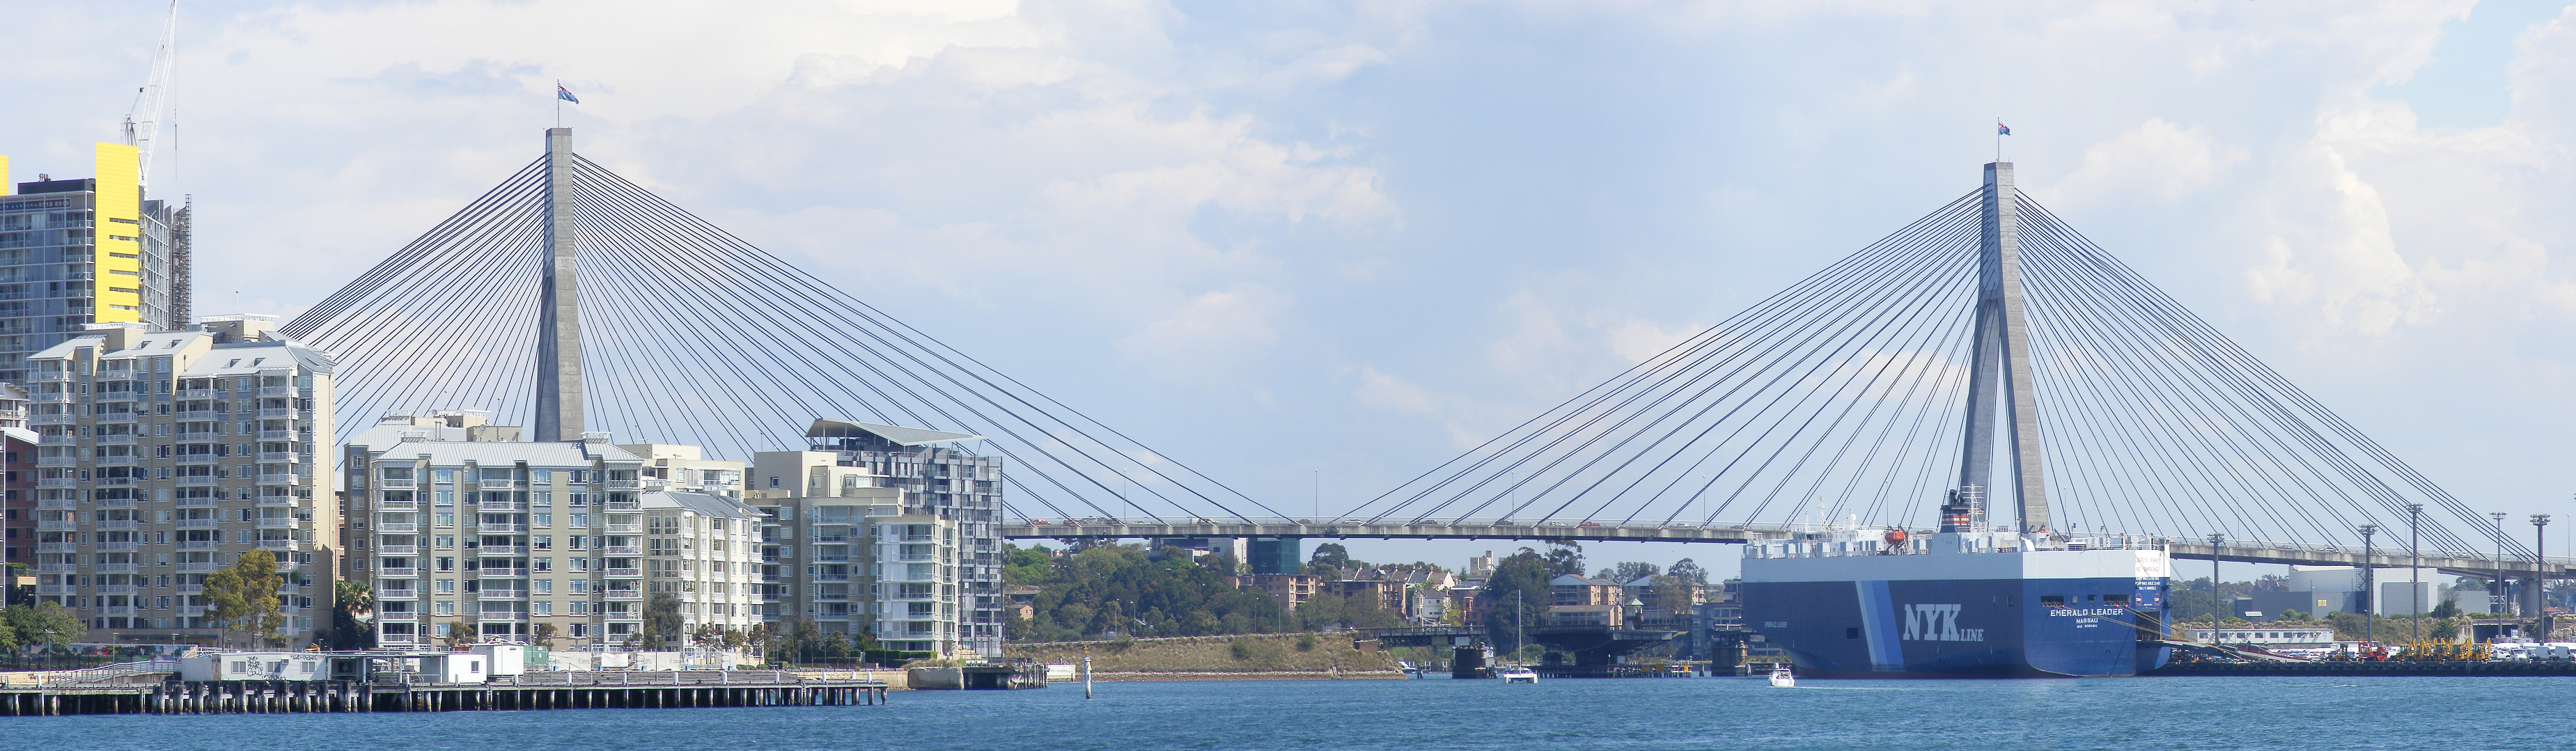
{"x": 139, "y": 693}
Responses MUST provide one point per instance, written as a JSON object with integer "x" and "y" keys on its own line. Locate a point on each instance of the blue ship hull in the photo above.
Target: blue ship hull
{"x": 1911, "y": 627}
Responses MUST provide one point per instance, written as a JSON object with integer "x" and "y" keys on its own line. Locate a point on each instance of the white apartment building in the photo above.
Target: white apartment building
{"x": 684, "y": 468}
{"x": 163, "y": 456}
{"x": 466, "y": 524}
{"x": 884, "y": 529}
{"x": 704, "y": 549}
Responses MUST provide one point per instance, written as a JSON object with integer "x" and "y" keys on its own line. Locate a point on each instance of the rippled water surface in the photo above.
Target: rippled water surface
{"x": 1429, "y": 715}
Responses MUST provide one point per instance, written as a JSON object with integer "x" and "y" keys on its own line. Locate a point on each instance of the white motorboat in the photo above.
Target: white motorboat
{"x": 1517, "y": 674}
{"x": 1780, "y": 677}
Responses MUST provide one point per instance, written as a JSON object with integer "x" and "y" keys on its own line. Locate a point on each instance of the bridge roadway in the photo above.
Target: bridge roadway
{"x": 1503, "y": 529}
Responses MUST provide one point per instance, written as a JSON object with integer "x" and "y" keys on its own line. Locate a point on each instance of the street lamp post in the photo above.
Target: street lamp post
{"x": 2495, "y": 600}
{"x": 2539, "y": 569}
{"x": 2415, "y": 571}
{"x": 2217, "y": 600}
{"x": 2369, "y": 587}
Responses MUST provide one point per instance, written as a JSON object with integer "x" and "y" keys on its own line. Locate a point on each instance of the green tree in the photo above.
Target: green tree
{"x": 1331, "y": 555}
{"x": 47, "y": 623}
{"x": 661, "y": 621}
{"x": 459, "y": 634}
{"x": 1564, "y": 557}
{"x": 243, "y": 597}
{"x": 1690, "y": 571}
{"x": 544, "y": 637}
{"x": 352, "y": 603}
{"x": 1515, "y": 596}
{"x": 1629, "y": 571}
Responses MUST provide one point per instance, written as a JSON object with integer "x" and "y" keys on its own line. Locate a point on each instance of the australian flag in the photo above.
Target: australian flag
{"x": 565, "y": 94}
{"x": 2000, "y": 128}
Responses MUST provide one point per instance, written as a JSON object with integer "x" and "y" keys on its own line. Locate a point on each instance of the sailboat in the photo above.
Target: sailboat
{"x": 1517, "y": 673}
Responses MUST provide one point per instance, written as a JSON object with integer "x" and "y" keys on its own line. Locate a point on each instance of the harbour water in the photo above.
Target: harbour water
{"x": 1430, "y": 715}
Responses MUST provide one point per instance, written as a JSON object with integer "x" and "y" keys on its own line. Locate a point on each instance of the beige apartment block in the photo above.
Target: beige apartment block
{"x": 683, "y": 468}
{"x": 467, "y": 524}
{"x": 163, "y": 456}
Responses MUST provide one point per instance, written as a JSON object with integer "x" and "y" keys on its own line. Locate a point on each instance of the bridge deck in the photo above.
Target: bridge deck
{"x": 2179, "y": 548}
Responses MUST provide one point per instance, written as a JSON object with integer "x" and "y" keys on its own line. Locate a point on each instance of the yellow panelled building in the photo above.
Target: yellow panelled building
{"x": 82, "y": 251}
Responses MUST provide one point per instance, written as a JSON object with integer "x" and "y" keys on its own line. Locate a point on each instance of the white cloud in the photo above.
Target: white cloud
{"x": 2157, "y": 158}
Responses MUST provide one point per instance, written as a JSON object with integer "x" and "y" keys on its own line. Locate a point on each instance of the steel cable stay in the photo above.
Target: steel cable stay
{"x": 1008, "y": 433}
{"x": 2247, "y": 441}
{"x": 379, "y": 276}
{"x": 452, "y": 325}
{"x": 825, "y": 297}
{"x": 2244, "y": 362}
{"x": 1933, "y": 281}
{"x": 2232, "y": 383}
{"x": 1801, "y": 327}
{"x": 2066, "y": 388}
{"x": 1746, "y": 327}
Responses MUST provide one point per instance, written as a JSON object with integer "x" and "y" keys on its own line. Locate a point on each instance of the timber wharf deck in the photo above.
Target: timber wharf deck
{"x": 551, "y": 690}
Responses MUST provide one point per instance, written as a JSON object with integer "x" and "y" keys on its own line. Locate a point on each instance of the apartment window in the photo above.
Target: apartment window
{"x": 541, "y": 608}
{"x": 545, "y": 475}
{"x": 580, "y": 519}
{"x": 444, "y": 497}
{"x": 445, "y": 542}
{"x": 577, "y": 499}
{"x": 447, "y": 518}
{"x": 576, "y": 542}
{"x": 580, "y": 630}
{"x": 578, "y": 586}
{"x": 542, "y": 542}
{"x": 443, "y": 475}
{"x": 446, "y": 563}
{"x": 544, "y": 586}
{"x": 541, "y": 497}
{"x": 579, "y": 564}
{"x": 545, "y": 519}
{"x": 445, "y": 607}
{"x": 446, "y": 586}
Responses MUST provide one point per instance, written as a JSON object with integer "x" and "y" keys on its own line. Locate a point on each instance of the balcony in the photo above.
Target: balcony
{"x": 190, "y": 589}
{"x": 196, "y": 523}
{"x": 276, "y": 391}
{"x": 280, "y": 522}
{"x": 195, "y": 502}
{"x": 277, "y": 457}
{"x": 504, "y": 550}
{"x": 389, "y": 484}
{"x": 503, "y": 527}
{"x": 113, "y": 589}
{"x": 54, "y": 589}
{"x": 196, "y": 393}
{"x": 199, "y": 567}
{"x": 622, "y": 550}
{"x": 268, "y": 479}
{"x": 622, "y": 504}
{"x": 60, "y": 439}
{"x": 624, "y": 573}
{"x": 113, "y": 439}
{"x": 119, "y": 546}
{"x": 56, "y": 461}
{"x": 397, "y": 505}
{"x": 57, "y": 503}
{"x": 57, "y": 547}
{"x": 394, "y": 526}
{"x": 114, "y": 568}
{"x": 187, "y": 481}
{"x": 113, "y": 524}
{"x": 191, "y": 611}
{"x": 52, "y": 419}
{"x": 623, "y": 484}
{"x": 197, "y": 545}
{"x": 111, "y": 418}
{"x": 625, "y": 594}
{"x": 196, "y": 436}
{"x": 50, "y": 375}
{"x": 624, "y": 529}
{"x": 57, "y": 525}
{"x": 272, "y": 413}
{"x": 398, "y": 549}
{"x": 114, "y": 503}
{"x": 277, "y": 435}
{"x": 126, "y": 460}
{"x": 503, "y": 594}
{"x": 276, "y": 501}
{"x": 117, "y": 610}
{"x": 51, "y": 397}
{"x": 57, "y": 568}
{"x": 396, "y": 594}
{"x": 278, "y": 546}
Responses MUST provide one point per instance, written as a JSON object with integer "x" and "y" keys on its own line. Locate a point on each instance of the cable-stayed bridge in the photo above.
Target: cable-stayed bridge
{"x": 1986, "y": 348}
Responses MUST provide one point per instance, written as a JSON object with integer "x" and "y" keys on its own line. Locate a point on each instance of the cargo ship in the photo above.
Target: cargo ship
{"x": 1963, "y": 602}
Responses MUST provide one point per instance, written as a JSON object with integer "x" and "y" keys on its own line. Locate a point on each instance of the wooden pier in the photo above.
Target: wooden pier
{"x": 563, "y": 690}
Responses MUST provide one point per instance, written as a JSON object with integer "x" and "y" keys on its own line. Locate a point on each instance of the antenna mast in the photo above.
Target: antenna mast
{"x": 143, "y": 122}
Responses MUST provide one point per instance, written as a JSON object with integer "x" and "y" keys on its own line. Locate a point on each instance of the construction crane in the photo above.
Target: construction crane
{"x": 143, "y": 122}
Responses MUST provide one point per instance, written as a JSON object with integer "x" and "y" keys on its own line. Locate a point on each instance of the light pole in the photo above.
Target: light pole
{"x": 2495, "y": 600}
{"x": 2539, "y": 569}
{"x": 2217, "y": 599}
{"x": 2369, "y": 588}
{"x": 2415, "y": 571}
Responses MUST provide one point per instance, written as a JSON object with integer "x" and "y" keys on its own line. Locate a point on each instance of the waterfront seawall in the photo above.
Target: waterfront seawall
{"x": 1317, "y": 656}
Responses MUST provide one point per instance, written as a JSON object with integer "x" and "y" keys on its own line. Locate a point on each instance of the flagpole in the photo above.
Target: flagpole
{"x": 1999, "y": 145}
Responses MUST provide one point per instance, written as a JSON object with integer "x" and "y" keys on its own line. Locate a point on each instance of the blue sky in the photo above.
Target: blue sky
{"x": 1273, "y": 238}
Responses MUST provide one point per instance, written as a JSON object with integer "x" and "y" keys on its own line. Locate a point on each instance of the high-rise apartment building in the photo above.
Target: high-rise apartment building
{"x": 464, "y": 523}
{"x": 685, "y": 468}
{"x": 886, "y": 530}
{"x": 164, "y": 455}
{"x": 74, "y": 252}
